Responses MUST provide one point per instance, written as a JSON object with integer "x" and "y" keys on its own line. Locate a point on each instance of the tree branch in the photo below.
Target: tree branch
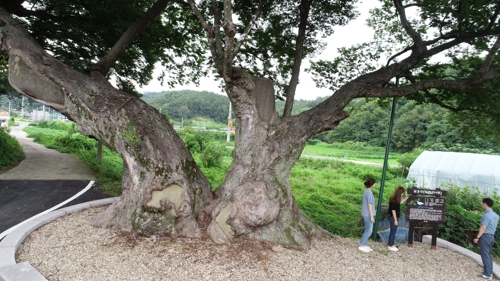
{"x": 398, "y": 54}
{"x": 208, "y": 30}
{"x": 491, "y": 55}
{"x": 135, "y": 29}
{"x": 304, "y": 8}
{"x": 433, "y": 98}
{"x": 217, "y": 26}
{"x": 417, "y": 40}
{"x": 230, "y": 32}
{"x": 248, "y": 28}
{"x": 458, "y": 40}
{"x": 460, "y": 85}
{"x": 411, "y": 5}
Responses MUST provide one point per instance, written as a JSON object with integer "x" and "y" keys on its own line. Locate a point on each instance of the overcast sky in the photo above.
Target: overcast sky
{"x": 355, "y": 32}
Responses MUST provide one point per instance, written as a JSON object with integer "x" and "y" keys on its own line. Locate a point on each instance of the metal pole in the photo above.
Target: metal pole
{"x": 22, "y": 107}
{"x": 228, "y": 139}
{"x": 384, "y": 169}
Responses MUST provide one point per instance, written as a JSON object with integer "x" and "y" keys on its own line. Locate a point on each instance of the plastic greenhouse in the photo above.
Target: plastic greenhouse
{"x": 432, "y": 168}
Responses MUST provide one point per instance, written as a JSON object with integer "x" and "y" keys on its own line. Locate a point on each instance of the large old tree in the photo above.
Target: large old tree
{"x": 63, "y": 54}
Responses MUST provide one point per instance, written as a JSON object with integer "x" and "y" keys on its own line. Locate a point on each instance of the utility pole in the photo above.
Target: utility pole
{"x": 229, "y": 123}
{"x": 22, "y": 107}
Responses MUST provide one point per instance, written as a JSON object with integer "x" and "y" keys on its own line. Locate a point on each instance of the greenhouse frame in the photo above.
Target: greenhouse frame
{"x": 433, "y": 168}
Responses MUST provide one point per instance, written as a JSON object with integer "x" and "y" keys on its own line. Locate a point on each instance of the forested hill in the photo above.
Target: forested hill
{"x": 425, "y": 126}
{"x": 188, "y": 104}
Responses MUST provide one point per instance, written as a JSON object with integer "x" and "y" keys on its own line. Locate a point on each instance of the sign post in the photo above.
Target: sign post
{"x": 425, "y": 205}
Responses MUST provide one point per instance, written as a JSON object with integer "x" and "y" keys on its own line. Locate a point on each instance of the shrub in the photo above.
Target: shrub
{"x": 469, "y": 197}
{"x": 406, "y": 159}
{"x": 12, "y": 152}
{"x": 212, "y": 155}
{"x": 460, "y": 226}
{"x": 62, "y": 136}
{"x": 312, "y": 141}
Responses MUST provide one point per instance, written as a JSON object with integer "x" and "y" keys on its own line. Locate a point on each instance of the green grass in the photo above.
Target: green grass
{"x": 366, "y": 154}
{"x": 12, "y": 152}
{"x": 62, "y": 137}
{"x": 328, "y": 191}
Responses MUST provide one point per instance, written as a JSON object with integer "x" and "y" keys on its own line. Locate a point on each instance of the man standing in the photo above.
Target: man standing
{"x": 486, "y": 238}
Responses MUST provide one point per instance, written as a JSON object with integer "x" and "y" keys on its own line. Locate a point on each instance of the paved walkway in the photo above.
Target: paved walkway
{"x": 43, "y": 180}
{"x": 42, "y": 163}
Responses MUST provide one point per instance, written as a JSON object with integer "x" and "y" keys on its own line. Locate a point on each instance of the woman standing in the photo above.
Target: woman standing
{"x": 394, "y": 212}
{"x": 368, "y": 213}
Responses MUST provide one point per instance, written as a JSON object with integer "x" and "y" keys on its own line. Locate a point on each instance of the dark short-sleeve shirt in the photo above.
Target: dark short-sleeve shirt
{"x": 396, "y": 207}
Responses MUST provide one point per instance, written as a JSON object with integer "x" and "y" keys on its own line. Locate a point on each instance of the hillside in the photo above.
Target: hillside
{"x": 189, "y": 104}
{"x": 425, "y": 126}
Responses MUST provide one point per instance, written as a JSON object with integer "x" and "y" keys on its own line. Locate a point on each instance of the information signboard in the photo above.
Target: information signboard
{"x": 426, "y": 205}
{"x": 430, "y": 192}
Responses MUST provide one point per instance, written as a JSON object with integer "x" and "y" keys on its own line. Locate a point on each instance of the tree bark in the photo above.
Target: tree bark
{"x": 255, "y": 200}
{"x": 164, "y": 192}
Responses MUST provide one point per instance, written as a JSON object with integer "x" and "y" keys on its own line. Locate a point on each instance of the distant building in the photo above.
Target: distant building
{"x": 4, "y": 118}
{"x": 39, "y": 115}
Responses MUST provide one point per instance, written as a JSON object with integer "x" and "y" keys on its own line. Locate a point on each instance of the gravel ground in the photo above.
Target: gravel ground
{"x": 70, "y": 249}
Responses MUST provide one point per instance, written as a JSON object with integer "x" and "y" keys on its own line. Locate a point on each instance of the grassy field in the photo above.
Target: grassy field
{"x": 349, "y": 152}
{"x": 329, "y": 191}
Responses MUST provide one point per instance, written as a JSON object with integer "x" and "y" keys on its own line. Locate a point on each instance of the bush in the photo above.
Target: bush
{"x": 469, "y": 197}
{"x": 312, "y": 141}
{"x": 463, "y": 213}
{"x": 460, "y": 226}
{"x": 212, "y": 155}
{"x": 12, "y": 152}
{"x": 406, "y": 159}
{"x": 63, "y": 137}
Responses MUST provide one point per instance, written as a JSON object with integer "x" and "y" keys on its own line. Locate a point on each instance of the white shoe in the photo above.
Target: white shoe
{"x": 393, "y": 248}
{"x": 365, "y": 249}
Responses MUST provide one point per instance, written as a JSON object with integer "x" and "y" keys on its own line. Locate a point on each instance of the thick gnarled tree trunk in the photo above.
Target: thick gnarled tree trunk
{"x": 255, "y": 200}
{"x": 164, "y": 191}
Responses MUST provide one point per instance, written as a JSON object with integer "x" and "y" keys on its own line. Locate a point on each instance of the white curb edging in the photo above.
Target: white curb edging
{"x": 9, "y": 270}
{"x": 3, "y": 234}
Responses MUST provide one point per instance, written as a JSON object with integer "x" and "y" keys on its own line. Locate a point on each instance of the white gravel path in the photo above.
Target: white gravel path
{"x": 70, "y": 249}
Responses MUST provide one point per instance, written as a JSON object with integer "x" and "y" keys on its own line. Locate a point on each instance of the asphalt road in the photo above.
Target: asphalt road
{"x": 22, "y": 199}
{"x": 44, "y": 179}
